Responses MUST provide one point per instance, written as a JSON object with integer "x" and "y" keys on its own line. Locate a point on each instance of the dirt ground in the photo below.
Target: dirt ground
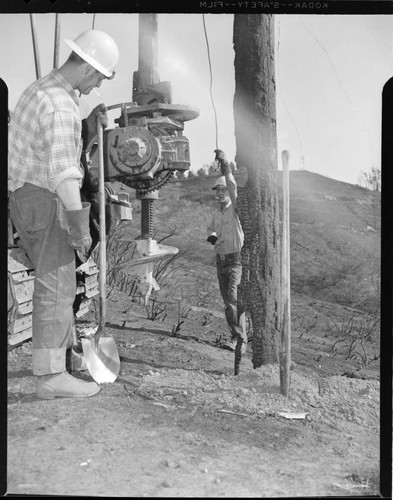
{"x": 178, "y": 423}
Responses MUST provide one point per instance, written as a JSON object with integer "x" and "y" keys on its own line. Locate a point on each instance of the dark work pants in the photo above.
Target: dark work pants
{"x": 229, "y": 273}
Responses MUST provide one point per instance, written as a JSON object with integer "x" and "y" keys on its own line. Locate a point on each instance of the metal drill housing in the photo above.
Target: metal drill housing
{"x": 147, "y": 146}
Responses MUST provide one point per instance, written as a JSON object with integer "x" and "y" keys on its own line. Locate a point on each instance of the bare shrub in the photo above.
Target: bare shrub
{"x": 352, "y": 290}
{"x": 347, "y": 295}
{"x": 306, "y": 326}
{"x": 357, "y": 336}
{"x": 203, "y": 290}
{"x": 118, "y": 252}
{"x": 156, "y": 310}
{"x": 121, "y": 252}
{"x": 164, "y": 268}
{"x": 372, "y": 179}
{"x": 182, "y": 314}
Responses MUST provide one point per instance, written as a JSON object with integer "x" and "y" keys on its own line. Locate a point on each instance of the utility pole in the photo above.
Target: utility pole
{"x": 256, "y": 149}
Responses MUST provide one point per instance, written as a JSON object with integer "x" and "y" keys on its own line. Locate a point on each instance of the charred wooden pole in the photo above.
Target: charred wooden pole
{"x": 256, "y": 149}
{"x": 285, "y": 340}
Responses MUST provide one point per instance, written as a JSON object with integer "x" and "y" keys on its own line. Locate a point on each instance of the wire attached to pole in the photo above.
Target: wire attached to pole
{"x": 211, "y": 79}
{"x": 57, "y": 43}
{"x": 283, "y": 98}
{"x": 35, "y": 46}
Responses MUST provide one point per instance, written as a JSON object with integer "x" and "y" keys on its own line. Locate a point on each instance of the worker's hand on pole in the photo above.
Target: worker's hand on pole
{"x": 79, "y": 230}
{"x": 212, "y": 239}
{"x": 90, "y": 123}
{"x": 222, "y": 161}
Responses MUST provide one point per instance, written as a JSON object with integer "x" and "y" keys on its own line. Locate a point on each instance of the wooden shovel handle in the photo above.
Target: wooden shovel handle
{"x": 102, "y": 261}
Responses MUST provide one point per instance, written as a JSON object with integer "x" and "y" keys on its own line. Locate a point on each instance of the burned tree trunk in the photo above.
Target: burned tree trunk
{"x": 256, "y": 149}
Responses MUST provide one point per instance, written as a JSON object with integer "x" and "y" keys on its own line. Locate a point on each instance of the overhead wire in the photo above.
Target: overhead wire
{"x": 93, "y": 23}
{"x": 353, "y": 108}
{"x": 282, "y": 95}
{"x": 330, "y": 60}
{"x": 211, "y": 78}
{"x": 389, "y": 63}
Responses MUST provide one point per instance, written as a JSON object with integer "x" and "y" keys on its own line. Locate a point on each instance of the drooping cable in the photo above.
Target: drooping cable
{"x": 211, "y": 78}
{"x": 330, "y": 60}
{"x": 388, "y": 61}
{"x": 283, "y": 99}
{"x": 353, "y": 108}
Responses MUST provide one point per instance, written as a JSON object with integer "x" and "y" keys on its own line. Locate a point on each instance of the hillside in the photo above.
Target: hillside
{"x": 334, "y": 233}
{"x": 177, "y": 422}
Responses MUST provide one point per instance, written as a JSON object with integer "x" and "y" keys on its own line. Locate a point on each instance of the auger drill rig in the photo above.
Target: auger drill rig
{"x": 141, "y": 152}
{"x": 146, "y": 147}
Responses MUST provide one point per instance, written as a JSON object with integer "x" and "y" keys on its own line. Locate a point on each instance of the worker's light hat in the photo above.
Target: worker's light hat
{"x": 98, "y": 49}
{"x": 220, "y": 182}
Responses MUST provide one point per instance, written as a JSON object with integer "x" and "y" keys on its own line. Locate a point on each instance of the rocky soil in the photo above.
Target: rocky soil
{"x": 178, "y": 423}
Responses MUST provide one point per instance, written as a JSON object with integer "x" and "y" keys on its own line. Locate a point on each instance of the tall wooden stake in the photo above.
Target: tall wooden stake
{"x": 285, "y": 344}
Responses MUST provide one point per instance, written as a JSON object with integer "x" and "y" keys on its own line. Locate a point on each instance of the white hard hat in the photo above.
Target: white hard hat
{"x": 98, "y": 49}
{"x": 220, "y": 182}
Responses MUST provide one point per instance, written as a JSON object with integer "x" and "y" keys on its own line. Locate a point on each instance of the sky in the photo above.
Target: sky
{"x": 330, "y": 73}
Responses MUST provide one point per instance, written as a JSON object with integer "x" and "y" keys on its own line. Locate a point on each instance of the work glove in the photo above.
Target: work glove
{"x": 221, "y": 159}
{"x": 79, "y": 231}
{"x": 89, "y": 125}
{"x": 212, "y": 239}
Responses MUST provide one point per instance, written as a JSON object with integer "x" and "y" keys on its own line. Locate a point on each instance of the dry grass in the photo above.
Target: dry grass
{"x": 334, "y": 258}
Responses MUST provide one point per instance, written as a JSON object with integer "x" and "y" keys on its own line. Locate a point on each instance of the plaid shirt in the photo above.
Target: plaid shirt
{"x": 225, "y": 223}
{"x": 44, "y": 139}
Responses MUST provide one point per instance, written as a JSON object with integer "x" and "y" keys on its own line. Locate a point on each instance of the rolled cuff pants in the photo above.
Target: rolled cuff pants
{"x": 35, "y": 214}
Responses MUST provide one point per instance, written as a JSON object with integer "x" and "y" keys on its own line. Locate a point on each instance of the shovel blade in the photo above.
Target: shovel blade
{"x": 103, "y": 363}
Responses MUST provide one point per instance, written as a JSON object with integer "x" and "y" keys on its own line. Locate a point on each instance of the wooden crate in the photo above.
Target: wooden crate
{"x": 20, "y": 288}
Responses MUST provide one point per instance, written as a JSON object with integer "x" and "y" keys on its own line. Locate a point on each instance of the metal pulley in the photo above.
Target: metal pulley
{"x": 132, "y": 151}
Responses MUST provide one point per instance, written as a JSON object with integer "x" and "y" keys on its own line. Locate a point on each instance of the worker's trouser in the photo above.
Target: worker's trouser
{"x": 35, "y": 214}
{"x": 229, "y": 273}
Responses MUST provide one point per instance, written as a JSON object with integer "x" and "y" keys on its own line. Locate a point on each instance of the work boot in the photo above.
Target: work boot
{"x": 75, "y": 362}
{"x": 63, "y": 385}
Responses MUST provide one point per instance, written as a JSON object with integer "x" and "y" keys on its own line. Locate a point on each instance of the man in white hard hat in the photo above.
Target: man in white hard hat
{"x": 45, "y": 176}
{"x": 226, "y": 234}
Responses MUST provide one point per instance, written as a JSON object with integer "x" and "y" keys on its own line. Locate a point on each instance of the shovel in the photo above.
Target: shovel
{"x": 101, "y": 355}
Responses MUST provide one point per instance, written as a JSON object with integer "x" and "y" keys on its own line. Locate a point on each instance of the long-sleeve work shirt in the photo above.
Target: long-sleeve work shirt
{"x": 44, "y": 141}
{"x": 225, "y": 223}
